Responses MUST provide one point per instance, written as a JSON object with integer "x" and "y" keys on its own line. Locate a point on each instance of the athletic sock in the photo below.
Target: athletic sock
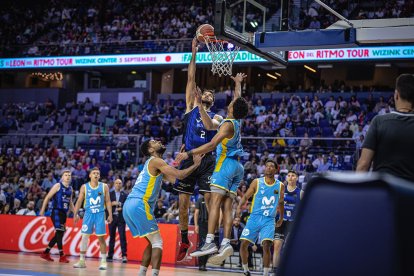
{"x": 155, "y": 272}
{"x": 245, "y": 267}
{"x": 225, "y": 241}
{"x": 142, "y": 270}
{"x": 184, "y": 236}
{"x": 103, "y": 257}
{"x": 210, "y": 238}
{"x": 61, "y": 253}
{"x": 82, "y": 256}
{"x": 266, "y": 271}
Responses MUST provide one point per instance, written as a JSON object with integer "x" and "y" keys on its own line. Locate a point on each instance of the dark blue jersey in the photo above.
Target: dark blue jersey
{"x": 195, "y": 134}
{"x": 61, "y": 200}
{"x": 291, "y": 201}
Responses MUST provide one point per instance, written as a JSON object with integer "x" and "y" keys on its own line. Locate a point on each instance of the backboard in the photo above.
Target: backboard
{"x": 238, "y": 21}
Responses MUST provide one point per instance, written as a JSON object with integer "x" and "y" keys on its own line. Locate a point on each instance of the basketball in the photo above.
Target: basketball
{"x": 204, "y": 30}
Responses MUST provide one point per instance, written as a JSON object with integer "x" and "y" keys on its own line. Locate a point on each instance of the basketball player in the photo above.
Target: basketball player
{"x": 61, "y": 196}
{"x": 267, "y": 195}
{"x": 228, "y": 173}
{"x": 293, "y": 195}
{"x": 96, "y": 196}
{"x": 196, "y": 133}
{"x": 139, "y": 206}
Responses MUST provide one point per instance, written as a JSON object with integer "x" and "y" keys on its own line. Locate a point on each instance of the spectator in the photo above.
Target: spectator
{"x": 159, "y": 210}
{"x": 29, "y": 210}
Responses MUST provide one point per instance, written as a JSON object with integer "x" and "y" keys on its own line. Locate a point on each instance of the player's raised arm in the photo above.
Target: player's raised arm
{"x": 249, "y": 193}
{"x": 209, "y": 123}
{"x": 189, "y": 96}
{"x": 49, "y": 195}
{"x": 171, "y": 173}
{"x": 225, "y": 131}
{"x": 238, "y": 79}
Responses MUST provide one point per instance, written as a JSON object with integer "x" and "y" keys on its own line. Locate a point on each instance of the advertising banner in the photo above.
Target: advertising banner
{"x": 32, "y": 234}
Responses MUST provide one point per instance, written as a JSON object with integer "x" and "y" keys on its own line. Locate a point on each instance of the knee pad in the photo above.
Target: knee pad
{"x": 84, "y": 243}
{"x": 156, "y": 240}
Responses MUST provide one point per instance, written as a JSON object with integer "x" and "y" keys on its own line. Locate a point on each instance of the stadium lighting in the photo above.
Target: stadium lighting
{"x": 271, "y": 76}
{"x": 277, "y": 74}
{"x": 310, "y": 68}
{"x": 133, "y": 72}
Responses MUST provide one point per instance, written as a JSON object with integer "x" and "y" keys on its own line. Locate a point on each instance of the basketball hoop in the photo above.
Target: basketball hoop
{"x": 222, "y": 56}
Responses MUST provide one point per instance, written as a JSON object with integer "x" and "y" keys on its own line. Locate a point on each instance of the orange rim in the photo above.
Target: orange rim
{"x": 214, "y": 40}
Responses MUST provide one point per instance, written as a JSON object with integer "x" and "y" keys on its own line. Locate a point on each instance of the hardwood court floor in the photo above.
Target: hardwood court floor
{"x": 32, "y": 264}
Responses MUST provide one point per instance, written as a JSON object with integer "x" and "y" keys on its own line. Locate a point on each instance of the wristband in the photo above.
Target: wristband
{"x": 190, "y": 153}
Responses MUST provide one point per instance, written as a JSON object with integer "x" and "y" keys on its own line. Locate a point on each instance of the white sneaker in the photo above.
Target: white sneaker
{"x": 103, "y": 265}
{"x": 206, "y": 249}
{"x": 80, "y": 264}
{"x": 224, "y": 252}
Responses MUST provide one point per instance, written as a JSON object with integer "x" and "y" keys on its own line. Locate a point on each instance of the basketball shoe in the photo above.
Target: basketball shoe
{"x": 46, "y": 256}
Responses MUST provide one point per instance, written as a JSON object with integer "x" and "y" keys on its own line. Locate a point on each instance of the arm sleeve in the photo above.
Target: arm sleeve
{"x": 370, "y": 141}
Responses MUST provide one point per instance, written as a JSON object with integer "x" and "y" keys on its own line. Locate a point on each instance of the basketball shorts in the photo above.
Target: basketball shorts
{"x": 139, "y": 217}
{"x": 94, "y": 223}
{"x": 227, "y": 175}
{"x": 283, "y": 231}
{"x": 259, "y": 227}
{"x": 59, "y": 219}
{"x": 200, "y": 177}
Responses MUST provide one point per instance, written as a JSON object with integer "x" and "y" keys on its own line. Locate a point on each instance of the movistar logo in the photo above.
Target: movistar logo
{"x": 95, "y": 201}
{"x": 268, "y": 201}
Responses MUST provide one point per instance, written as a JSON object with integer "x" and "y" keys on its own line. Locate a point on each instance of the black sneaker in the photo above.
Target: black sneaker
{"x": 202, "y": 268}
{"x": 109, "y": 259}
{"x": 247, "y": 273}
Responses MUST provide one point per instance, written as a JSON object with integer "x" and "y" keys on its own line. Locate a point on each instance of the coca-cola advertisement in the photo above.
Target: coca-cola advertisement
{"x": 32, "y": 234}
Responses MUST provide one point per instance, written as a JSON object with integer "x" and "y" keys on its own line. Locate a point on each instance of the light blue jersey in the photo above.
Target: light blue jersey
{"x": 266, "y": 198}
{"x": 261, "y": 223}
{"x": 230, "y": 147}
{"x": 94, "y": 218}
{"x": 147, "y": 186}
{"x": 94, "y": 198}
{"x": 228, "y": 171}
{"x": 139, "y": 207}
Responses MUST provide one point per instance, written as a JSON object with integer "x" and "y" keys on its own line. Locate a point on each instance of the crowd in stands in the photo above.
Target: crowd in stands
{"x": 29, "y": 168}
{"x": 314, "y": 16}
{"x": 78, "y": 27}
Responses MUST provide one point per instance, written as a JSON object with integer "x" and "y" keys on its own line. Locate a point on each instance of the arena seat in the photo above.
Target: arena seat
{"x": 352, "y": 224}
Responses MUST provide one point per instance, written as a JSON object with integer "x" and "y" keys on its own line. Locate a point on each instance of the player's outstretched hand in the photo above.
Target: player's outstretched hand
{"x": 109, "y": 219}
{"x": 239, "y": 77}
{"x": 197, "y": 159}
{"x": 181, "y": 156}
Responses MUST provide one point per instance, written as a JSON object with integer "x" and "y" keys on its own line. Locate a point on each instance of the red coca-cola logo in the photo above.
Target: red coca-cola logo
{"x": 36, "y": 236}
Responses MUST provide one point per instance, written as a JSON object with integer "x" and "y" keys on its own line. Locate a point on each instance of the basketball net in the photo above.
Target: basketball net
{"x": 221, "y": 58}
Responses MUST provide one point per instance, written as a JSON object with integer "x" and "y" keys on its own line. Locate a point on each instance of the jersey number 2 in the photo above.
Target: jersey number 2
{"x": 203, "y": 134}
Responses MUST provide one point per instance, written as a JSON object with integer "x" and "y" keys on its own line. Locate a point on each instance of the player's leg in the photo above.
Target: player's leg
{"x": 100, "y": 231}
{"x": 204, "y": 180}
{"x": 59, "y": 237}
{"x": 244, "y": 254}
{"x": 83, "y": 247}
{"x": 156, "y": 252}
{"x": 226, "y": 249}
{"x": 209, "y": 246}
{"x": 146, "y": 259}
{"x": 266, "y": 256}
{"x": 278, "y": 243}
{"x": 185, "y": 188}
{"x": 56, "y": 223}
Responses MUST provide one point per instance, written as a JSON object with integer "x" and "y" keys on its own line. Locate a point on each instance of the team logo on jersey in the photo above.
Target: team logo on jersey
{"x": 268, "y": 201}
{"x": 198, "y": 120}
{"x": 95, "y": 201}
{"x": 84, "y": 228}
{"x": 245, "y": 232}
